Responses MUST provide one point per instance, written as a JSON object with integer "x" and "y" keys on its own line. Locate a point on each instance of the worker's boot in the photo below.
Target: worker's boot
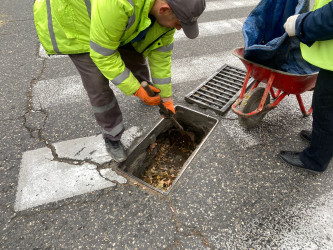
{"x": 306, "y": 135}
{"x": 116, "y": 150}
{"x": 293, "y": 158}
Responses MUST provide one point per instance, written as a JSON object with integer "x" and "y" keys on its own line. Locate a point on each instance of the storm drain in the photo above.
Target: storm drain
{"x": 161, "y": 158}
{"x": 220, "y": 91}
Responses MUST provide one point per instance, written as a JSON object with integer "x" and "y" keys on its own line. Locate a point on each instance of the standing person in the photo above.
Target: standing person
{"x": 315, "y": 31}
{"x": 110, "y": 40}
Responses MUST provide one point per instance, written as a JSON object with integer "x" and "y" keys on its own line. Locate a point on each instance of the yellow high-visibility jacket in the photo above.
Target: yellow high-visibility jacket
{"x": 100, "y": 27}
{"x": 320, "y": 53}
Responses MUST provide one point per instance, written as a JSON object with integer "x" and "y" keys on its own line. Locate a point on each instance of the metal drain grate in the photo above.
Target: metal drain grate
{"x": 220, "y": 91}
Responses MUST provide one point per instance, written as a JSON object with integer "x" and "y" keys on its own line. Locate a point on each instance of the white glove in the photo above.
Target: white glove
{"x": 290, "y": 25}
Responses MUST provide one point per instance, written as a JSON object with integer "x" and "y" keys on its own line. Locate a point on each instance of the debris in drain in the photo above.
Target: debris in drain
{"x": 166, "y": 157}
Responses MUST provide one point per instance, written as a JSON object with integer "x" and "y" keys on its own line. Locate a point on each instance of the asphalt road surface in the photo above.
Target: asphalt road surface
{"x": 60, "y": 189}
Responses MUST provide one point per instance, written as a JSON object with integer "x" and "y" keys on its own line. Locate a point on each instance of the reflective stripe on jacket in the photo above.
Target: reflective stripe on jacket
{"x": 63, "y": 26}
{"x": 71, "y": 27}
{"x": 320, "y": 53}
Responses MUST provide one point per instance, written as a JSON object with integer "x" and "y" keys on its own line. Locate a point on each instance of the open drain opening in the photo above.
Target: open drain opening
{"x": 160, "y": 159}
{"x": 166, "y": 156}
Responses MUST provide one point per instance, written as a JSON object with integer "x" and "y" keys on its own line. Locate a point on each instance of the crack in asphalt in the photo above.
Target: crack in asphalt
{"x": 99, "y": 167}
{"x": 30, "y": 109}
{"x": 4, "y": 207}
{"x": 105, "y": 178}
{"x": 193, "y": 231}
{"x": 41, "y": 138}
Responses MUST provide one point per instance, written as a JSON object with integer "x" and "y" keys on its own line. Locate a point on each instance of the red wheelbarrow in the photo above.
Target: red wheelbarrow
{"x": 252, "y": 106}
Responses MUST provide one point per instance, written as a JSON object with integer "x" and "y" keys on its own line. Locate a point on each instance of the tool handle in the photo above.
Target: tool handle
{"x": 146, "y": 87}
{"x": 150, "y": 92}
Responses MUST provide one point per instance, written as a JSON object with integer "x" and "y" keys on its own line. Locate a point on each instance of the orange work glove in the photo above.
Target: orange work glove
{"x": 169, "y": 106}
{"x": 149, "y": 100}
{"x": 168, "y": 103}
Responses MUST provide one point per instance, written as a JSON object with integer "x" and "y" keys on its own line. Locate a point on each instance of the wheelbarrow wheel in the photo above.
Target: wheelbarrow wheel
{"x": 250, "y": 103}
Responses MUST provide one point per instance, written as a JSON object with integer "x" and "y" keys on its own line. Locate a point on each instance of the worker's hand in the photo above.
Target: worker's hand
{"x": 290, "y": 25}
{"x": 168, "y": 103}
{"x": 149, "y": 100}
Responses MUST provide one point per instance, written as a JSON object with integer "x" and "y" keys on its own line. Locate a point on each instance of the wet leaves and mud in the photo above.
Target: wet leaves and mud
{"x": 165, "y": 158}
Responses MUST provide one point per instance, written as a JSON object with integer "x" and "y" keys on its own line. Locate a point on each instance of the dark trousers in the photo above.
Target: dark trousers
{"x": 318, "y": 155}
{"x": 104, "y": 103}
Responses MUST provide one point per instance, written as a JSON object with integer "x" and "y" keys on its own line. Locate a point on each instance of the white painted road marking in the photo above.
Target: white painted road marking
{"x": 242, "y": 137}
{"x": 42, "y": 54}
{"x": 58, "y": 91}
{"x": 304, "y": 226}
{"x": 312, "y": 225}
{"x": 63, "y": 90}
{"x": 195, "y": 68}
{"x": 215, "y": 28}
{"x": 229, "y": 4}
{"x": 43, "y": 180}
{"x": 210, "y": 6}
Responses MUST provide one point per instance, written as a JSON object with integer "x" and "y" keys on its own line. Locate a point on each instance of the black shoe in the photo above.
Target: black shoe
{"x": 306, "y": 135}
{"x": 116, "y": 150}
{"x": 293, "y": 158}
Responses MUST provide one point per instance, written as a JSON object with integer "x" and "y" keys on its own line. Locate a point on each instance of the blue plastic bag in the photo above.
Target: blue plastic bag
{"x": 266, "y": 41}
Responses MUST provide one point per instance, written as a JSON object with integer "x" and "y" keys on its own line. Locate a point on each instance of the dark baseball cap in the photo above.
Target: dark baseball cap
{"x": 188, "y": 12}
